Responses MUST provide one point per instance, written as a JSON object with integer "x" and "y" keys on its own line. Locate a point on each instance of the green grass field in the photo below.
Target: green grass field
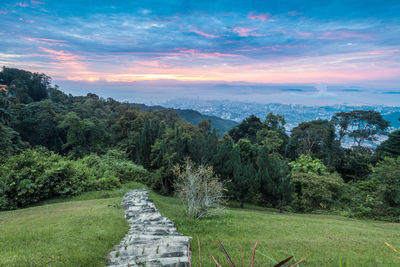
{"x": 81, "y": 231}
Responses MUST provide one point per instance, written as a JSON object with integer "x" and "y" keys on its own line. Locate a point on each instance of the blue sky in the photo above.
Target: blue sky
{"x": 310, "y": 52}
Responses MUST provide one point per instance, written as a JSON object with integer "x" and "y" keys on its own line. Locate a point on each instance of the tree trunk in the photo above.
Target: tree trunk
{"x": 241, "y": 204}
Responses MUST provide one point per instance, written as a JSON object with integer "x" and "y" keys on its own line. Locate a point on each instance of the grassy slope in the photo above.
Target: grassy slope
{"x": 80, "y": 232}
{"x": 322, "y": 239}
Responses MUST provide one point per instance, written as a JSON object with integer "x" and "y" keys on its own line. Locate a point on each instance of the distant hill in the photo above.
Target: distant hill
{"x": 294, "y": 114}
{"x": 194, "y": 117}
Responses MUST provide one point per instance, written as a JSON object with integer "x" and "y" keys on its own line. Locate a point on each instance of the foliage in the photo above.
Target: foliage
{"x": 273, "y": 179}
{"x": 10, "y": 141}
{"x": 242, "y": 176}
{"x": 25, "y": 86}
{"x": 315, "y": 187}
{"x": 306, "y": 164}
{"x": 316, "y": 191}
{"x": 199, "y": 189}
{"x": 379, "y": 195}
{"x": 37, "y": 174}
{"x": 248, "y": 128}
{"x": 360, "y": 125}
{"x": 316, "y": 138}
{"x": 391, "y": 146}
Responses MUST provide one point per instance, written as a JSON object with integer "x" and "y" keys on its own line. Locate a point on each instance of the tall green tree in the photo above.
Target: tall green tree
{"x": 273, "y": 178}
{"x": 391, "y": 146}
{"x": 242, "y": 176}
{"x": 360, "y": 125}
{"x": 248, "y": 128}
{"x": 37, "y": 123}
{"x": 316, "y": 138}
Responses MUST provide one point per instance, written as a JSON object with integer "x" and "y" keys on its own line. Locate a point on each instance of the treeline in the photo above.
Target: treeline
{"x": 258, "y": 162}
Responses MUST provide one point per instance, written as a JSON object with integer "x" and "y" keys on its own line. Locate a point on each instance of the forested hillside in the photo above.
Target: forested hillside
{"x": 54, "y": 144}
{"x": 195, "y": 117}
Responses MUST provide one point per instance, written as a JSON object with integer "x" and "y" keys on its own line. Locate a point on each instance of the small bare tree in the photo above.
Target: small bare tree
{"x": 199, "y": 189}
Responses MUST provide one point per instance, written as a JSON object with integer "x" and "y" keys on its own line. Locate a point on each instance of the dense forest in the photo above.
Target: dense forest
{"x": 53, "y": 144}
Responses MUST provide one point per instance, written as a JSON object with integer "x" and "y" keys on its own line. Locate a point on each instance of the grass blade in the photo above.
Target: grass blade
{"x": 254, "y": 252}
{"x": 216, "y": 262}
{"x": 225, "y": 253}
{"x": 297, "y": 262}
{"x": 283, "y": 262}
{"x": 198, "y": 244}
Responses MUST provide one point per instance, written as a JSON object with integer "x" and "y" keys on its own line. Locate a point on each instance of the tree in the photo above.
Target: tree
{"x": 203, "y": 144}
{"x": 316, "y": 188}
{"x": 10, "y": 141}
{"x": 316, "y": 138}
{"x": 273, "y": 178}
{"x": 391, "y": 146}
{"x": 242, "y": 176}
{"x": 37, "y": 123}
{"x": 223, "y": 156}
{"x": 248, "y": 128}
{"x": 386, "y": 177}
{"x": 360, "y": 125}
{"x": 24, "y": 85}
{"x": 83, "y": 136}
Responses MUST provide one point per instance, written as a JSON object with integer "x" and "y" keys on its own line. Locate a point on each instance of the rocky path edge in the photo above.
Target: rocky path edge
{"x": 152, "y": 240}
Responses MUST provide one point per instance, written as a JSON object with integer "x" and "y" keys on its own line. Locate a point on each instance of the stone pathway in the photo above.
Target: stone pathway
{"x": 152, "y": 239}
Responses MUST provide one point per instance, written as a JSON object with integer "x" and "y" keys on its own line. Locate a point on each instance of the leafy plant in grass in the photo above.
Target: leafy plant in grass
{"x": 199, "y": 189}
{"x": 276, "y": 263}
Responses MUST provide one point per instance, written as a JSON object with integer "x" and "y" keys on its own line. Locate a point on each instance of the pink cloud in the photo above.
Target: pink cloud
{"x": 339, "y": 35}
{"x": 61, "y": 55}
{"x": 22, "y": 4}
{"x": 3, "y": 11}
{"x": 205, "y": 34}
{"x": 34, "y": 2}
{"x": 194, "y": 52}
{"x": 244, "y": 32}
{"x": 262, "y": 17}
{"x": 45, "y": 40}
{"x": 20, "y": 19}
{"x": 305, "y": 34}
{"x": 382, "y": 52}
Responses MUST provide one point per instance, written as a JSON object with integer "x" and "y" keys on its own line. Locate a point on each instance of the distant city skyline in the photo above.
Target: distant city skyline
{"x": 300, "y": 52}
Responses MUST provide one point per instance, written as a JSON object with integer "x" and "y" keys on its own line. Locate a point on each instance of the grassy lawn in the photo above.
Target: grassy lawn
{"x": 83, "y": 230}
{"x": 322, "y": 239}
{"x": 79, "y": 232}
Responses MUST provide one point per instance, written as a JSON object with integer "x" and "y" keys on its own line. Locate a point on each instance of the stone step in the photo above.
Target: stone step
{"x": 152, "y": 240}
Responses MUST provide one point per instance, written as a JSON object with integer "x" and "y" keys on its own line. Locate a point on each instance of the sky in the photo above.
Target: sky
{"x": 304, "y": 52}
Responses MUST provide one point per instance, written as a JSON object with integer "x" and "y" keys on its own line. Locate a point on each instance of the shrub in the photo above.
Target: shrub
{"x": 378, "y": 196}
{"x": 316, "y": 188}
{"x": 316, "y": 191}
{"x": 199, "y": 189}
{"x": 37, "y": 174}
{"x": 117, "y": 163}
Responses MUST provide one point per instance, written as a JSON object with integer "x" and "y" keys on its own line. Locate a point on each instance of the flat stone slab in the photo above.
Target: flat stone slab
{"x": 152, "y": 240}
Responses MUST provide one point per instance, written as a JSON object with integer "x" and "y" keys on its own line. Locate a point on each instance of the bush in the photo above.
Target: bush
{"x": 314, "y": 191}
{"x": 379, "y": 196}
{"x": 199, "y": 189}
{"x": 118, "y": 165}
{"x": 316, "y": 188}
{"x": 37, "y": 174}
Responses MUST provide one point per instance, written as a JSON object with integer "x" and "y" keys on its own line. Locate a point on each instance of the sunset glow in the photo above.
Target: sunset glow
{"x": 342, "y": 43}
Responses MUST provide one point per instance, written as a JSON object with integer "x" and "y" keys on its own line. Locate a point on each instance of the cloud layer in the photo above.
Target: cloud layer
{"x": 341, "y": 43}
